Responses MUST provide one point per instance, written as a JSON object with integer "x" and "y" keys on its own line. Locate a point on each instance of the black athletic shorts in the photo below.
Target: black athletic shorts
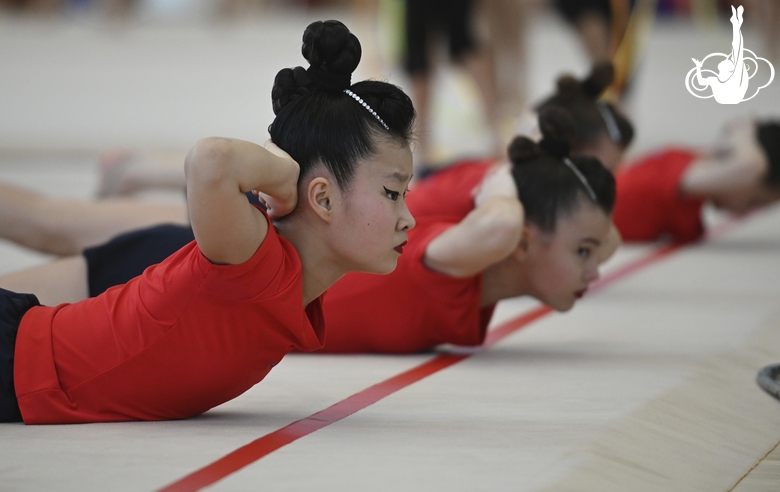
{"x": 12, "y": 308}
{"x": 128, "y": 255}
{"x": 424, "y": 17}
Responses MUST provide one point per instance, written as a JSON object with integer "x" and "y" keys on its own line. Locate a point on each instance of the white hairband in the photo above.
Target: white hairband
{"x": 609, "y": 122}
{"x": 365, "y": 105}
{"x": 583, "y": 180}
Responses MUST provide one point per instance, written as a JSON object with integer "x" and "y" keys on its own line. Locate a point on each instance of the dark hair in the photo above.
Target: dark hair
{"x": 547, "y": 186}
{"x": 592, "y": 117}
{"x": 317, "y": 123}
{"x": 768, "y": 136}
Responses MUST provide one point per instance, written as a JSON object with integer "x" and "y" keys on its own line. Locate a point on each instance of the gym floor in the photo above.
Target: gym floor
{"x": 647, "y": 384}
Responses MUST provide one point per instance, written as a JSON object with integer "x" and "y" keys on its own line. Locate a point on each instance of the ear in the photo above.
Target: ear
{"x": 319, "y": 195}
{"x": 521, "y": 252}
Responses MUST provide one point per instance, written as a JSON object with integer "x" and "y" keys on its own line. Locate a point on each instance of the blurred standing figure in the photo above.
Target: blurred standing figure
{"x": 765, "y": 14}
{"x": 592, "y": 20}
{"x": 425, "y": 19}
{"x": 599, "y": 23}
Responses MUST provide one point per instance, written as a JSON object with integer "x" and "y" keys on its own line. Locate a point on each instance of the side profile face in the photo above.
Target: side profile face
{"x": 371, "y": 219}
{"x": 561, "y": 264}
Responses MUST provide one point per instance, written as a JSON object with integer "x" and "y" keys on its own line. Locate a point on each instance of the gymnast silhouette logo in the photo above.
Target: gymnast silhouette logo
{"x": 735, "y": 70}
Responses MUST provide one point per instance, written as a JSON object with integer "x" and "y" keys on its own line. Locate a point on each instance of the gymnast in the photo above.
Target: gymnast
{"x": 210, "y": 321}
{"x": 535, "y": 227}
{"x": 662, "y": 195}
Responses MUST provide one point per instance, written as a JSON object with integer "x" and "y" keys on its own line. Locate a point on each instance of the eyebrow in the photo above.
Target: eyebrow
{"x": 399, "y": 176}
{"x": 591, "y": 240}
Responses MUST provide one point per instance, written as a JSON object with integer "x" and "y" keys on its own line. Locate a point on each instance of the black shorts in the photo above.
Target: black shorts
{"x": 12, "y": 308}
{"x": 128, "y": 255}
{"x": 423, "y": 17}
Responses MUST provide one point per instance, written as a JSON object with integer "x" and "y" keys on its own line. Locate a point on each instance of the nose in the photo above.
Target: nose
{"x": 591, "y": 273}
{"x": 406, "y": 220}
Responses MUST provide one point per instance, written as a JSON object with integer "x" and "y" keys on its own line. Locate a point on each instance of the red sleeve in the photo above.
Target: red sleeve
{"x": 449, "y": 192}
{"x": 649, "y": 205}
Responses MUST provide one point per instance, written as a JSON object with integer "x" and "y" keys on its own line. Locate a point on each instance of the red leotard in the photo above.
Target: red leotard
{"x": 414, "y": 308}
{"x": 649, "y": 205}
{"x": 448, "y": 192}
{"x": 185, "y": 336}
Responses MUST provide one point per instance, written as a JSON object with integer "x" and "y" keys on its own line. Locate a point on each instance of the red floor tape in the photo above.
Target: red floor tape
{"x": 269, "y": 443}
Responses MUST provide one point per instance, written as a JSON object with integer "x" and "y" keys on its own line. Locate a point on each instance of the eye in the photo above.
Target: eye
{"x": 583, "y": 252}
{"x": 393, "y": 195}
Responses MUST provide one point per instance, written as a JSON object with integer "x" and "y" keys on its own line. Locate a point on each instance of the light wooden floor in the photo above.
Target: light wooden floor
{"x": 648, "y": 384}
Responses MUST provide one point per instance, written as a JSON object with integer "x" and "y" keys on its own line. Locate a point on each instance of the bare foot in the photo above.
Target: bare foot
{"x": 114, "y": 166}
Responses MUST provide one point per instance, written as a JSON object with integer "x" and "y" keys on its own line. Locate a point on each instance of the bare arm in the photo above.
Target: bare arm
{"x": 487, "y": 235}
{"x": 708, "y": 177}
{"x": 219, "y": 172}
{"x": 735, "y": 163}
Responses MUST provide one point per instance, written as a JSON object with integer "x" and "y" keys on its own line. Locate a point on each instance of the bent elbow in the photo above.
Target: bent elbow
{"x": 503, "y": 228}
{"x": 208, "y": 161}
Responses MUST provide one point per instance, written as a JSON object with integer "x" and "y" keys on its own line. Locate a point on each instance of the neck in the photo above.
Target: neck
{"x": 503, "y": 280}
{"x": 319, "y": 270}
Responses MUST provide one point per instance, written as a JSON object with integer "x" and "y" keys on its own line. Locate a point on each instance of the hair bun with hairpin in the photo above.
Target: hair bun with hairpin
{"x": 333, "y": 53}
{"x": 601, "y": 76}
{"x": 558, "y": 133}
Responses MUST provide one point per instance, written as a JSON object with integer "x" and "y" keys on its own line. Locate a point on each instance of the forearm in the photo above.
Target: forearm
{"x": 487, "y": 235}
{"x": 708, "y": 176}
{"x": 241, "y": 165}
{"x": 219, "y": 172}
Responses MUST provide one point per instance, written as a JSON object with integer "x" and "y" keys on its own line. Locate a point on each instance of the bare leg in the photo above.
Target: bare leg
{"x": 63, "y": 280}
{"x": 420, "y": 95}
{"x": 367, "y": 29}
{"x": 507, "y": 22}
{"x": 480, "y": 66}
{"x": 594, "y": 32}
{"x": 65, "y": 226}
{"x": 125, "y": 173}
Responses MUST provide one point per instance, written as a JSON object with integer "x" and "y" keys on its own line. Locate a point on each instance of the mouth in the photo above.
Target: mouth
{"x": 400, "y": 247}
{"x": 580, "y": 293}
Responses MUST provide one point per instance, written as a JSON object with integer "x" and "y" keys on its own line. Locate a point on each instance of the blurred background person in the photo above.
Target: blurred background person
{"x": 426, "y": 21}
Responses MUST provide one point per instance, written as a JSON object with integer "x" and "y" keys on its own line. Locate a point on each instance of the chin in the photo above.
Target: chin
{"x": 382, "y": 269}
{"x": 562, "y": 306}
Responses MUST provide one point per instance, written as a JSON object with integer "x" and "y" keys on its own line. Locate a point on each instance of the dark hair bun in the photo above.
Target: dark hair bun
{"x": 558, "y": 131}
{"x": 567, "y": 85}
{"x": 289, "y": 84}
{"x": 333, "y": 54}
{"x": 329, "y": 46}
{"x": 599, "y": 79}
{"x": 522, "y": 150}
